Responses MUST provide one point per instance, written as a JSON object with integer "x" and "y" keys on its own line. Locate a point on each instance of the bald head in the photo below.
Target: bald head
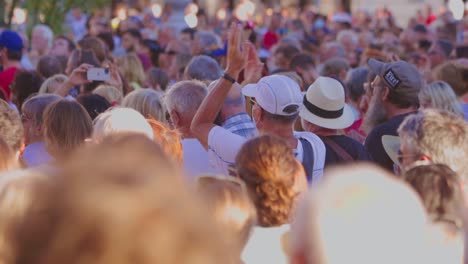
{"x": 360, "y": 214}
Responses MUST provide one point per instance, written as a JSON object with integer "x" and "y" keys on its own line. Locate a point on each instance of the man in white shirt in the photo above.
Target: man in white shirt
{"x": 182, "y": 101}
{"x": 276, "y": 103}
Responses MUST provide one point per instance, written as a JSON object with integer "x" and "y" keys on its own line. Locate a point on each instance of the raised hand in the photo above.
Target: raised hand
{"x": 78, "y": 75}
{"x": 237, "y": 55}
{"x": 253, "y": 68}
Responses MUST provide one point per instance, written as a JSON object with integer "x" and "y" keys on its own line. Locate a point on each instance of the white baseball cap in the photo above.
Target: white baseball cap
{"x": 276, "y": 94}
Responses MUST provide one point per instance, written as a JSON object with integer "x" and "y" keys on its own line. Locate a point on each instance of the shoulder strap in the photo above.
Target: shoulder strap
{"x": 307, "y": 158}
{"x": 344, "y": 155}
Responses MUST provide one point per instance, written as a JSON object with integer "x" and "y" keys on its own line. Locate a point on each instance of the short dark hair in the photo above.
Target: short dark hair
{"x": 94, "y": 104}
{"x": 189, "y": 31}
{"x": 134, "y": 33}
{"x": 49, "y": 65}
{"x": 25, "y": 84}
{"x": 302, "y": 60}
{"x": 71, "y": 44}
{"x": 107, "y": 38}
{"x": 280, "y": 118}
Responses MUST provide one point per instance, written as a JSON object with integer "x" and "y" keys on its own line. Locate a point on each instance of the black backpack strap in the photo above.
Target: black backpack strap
{"x": 307, "y": 158}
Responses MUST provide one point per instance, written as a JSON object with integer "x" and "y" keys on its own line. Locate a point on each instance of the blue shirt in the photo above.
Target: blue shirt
{"x": 35, "y": 154}
{"x": 465, "y": 110}
{"x": 241, "y": 124}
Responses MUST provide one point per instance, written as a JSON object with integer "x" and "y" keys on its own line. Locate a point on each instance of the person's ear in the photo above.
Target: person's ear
{"x": 385, "y": 92}
{"x": 175, "y": 118}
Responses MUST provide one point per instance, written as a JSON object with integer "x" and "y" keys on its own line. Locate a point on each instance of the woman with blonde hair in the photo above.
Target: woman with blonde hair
{"x": 52, "y": 83}
{"x": 113, "y": 95}
{"x": 132, "y": 70}
{"x": 440, "y": 95}
{"x": 67, "y": 125}
{"x": 146, "y": 101}
{"x": 229, "y": 204}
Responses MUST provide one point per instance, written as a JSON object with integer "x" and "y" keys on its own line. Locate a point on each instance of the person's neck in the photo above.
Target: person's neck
{"x": 393, "y": 110}
{"x": 285, "y": 132}
{"x": 185, "y": 132}
{"x": 10, "y": 64}
{"x": 326, "y": 132}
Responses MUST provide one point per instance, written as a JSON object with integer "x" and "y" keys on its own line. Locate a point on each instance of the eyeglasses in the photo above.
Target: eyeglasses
{"x": 252, "y": 101}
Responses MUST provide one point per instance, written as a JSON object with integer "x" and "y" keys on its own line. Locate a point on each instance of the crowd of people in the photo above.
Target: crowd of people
{"x": 307, "y": 139}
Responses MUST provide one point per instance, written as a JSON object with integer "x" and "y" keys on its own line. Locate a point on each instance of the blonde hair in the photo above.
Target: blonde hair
{"x": 48, "y": 85}
{"x": 113, "y": 95}
{"x": 440, "y": 95}
{"x": 131, "y": 208}
{"x": 132, "y": 69}
{"x": 146, "y": 101}
{"x": 169, "y": 139}
{"x": 11, "y": 127}
{"x": 7, "y": 157}
{"x": 455, "y": 74}
{"x": 229, "y": 204}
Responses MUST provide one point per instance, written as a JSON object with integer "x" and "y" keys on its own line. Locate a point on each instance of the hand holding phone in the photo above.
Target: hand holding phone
{"x": 98, "y": 74}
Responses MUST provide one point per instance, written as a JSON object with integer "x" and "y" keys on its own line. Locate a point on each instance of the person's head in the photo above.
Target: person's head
{"x": 97, "y": 24}
{"x": 230, "y": 206}
{"x": 133, "y": 205}
{"x": 24, "y": 85}
{"x": 205, "y": 41}
{"x": 8, "y": 158}
{"x": 132, "y": 69}
{"x": 11, "y": 46}
{"x": 348, "y": 39}
{"x": 96, "y": 45}
{"x": 335, "y": 68}
{"x": 324, "y": 108}
{"x": 147, "y": 102}
{"x": 276, "y": 102}
{"x": 397, "y": 84}
{"x": 281, "y": 56}
{"x": 440, "y": 191}
{"x": 330, "y": 50}
{"x": 157, "y": 79}
{"x": 234, "y": 103}
{"x": 355, "y": 82}
{"x": 113, "y": 95}
{"x": 270, "y": 171}
{"x": 304, "y": 65}
{"x": 94, "y": 104}
{"x": 108, "y": 39}
{"x": 42, "y": 38}
{"x": 182, "y": 101}
{"x": 49, "y": 65}
{"x": 62, "y": 46}
{"x": 51, "y": 84}
{"x": 11, "y": 129}
{"x": 32, "y": 116}
{"x": 440, "y": 52}
{"x": 435, "y": 135}
{"x": 79, "y": 57}
{"x": 203, "y": 68}
{"x": 131, "y": 39}
{"x": 455, "y": 74}
{"x": 168, "y": 139}
{"x": 187, "y": 35}
{"x": 65, "y": 135}
{"x": 120, "y": 120}
{"x": 441, "y": 96}
{"x": 350, "y": 218}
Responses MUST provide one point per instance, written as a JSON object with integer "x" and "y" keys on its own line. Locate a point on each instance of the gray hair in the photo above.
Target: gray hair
{"x": 203, "y": 68}
{"x": 440, "y": 135}
{"x": 185, "y": 96}
{"x": 47, "y": 32}
{"x": 207, "y": 39}
{"x": 147, "y": 102}
{"x": 47, "y": 85}
{"x": 347, "y": 35}
{"x": 340, "y": 52}
{"x": 355, "y": 82}
{"x": 34, "y": 107}
{"x": 120, "y": 120}
{"x": 440, "y": 95}
{"x": 334, "y": 66}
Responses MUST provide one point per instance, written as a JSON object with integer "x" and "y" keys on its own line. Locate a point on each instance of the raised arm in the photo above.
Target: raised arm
{"x": 237, "y": 57}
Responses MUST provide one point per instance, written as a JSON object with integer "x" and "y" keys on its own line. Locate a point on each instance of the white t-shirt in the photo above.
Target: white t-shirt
{"x": 196, "y": 160}
{"x": 223, "y": 147}
{"x": 266, "y": 245}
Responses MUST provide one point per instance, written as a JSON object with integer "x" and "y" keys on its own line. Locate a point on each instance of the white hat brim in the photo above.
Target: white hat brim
{"x": 391, "y": 145}
{"x": 342, "y": 122}
{"x": 250, "y": 90}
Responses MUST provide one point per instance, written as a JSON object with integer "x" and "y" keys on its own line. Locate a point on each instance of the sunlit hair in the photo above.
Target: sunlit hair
{"x": 441, "y": 96}
{"x": 11, "y": 128}
{"x": 51, "y": 84}
{"x": 146, "y": 101}
{"x": 132, "y": 69}
{"x": 439, "y": 135}
{"x": 8, "y": 159}
{"x": 67, "y": 125}
{"x": 440, "y": 191}
{"x": 132, "y": 207}
{"x": 169, "y": 139}
{"x": 455, "y": 74}
{"x": 46, "y": 33}
{"x": 113, "y": 95}
{"x": 230, "y": 206}
{"x": 269, "y": 169}
{"x": 96, "y": 45}
{"x": 355, "y": 208}
{"x": 120, "y": 120}
{"x": 34, "y": 107}
{"x": 185, "y": 96}
{"x": 22, "y": 196}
